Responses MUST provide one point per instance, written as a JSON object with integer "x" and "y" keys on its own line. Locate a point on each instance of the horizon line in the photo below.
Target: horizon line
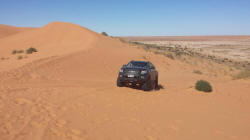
{"x": 208, "y": 35}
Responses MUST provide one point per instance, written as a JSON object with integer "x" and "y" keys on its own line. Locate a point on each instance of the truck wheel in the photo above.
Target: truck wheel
{"x": 119, "y": 83}
{"x": 147, "y": 86}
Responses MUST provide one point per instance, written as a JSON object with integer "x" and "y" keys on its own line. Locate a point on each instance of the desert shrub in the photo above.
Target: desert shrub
{"x": 169, "y": 55}
{"x": 31, "y": 50}
{"x": 244, "y": 74}
{"x": 203, "y": 85}
{"x": 14, "y": 51}
{"x": 104, "y": 33}
{"x": 20, "y": 51}
{"x": 20, "y": 57}
{"x": 17, "y": 51}
{"x": 197, "y": 72}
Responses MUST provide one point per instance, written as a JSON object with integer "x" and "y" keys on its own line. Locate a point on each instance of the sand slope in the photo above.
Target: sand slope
{"x": 68, "y": 91}
{"x": 51, "y": 40}
{"x": 6, "y": 30}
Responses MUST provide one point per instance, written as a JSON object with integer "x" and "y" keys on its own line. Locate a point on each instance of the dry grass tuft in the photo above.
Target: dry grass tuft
{"x": 197, "y": 72}
{"x": 243, "y": 74}
{"x": 20, "y": 57}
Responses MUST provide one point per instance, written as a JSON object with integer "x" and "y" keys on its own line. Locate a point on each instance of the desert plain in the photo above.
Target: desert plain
{"x": 233, "y": 47}
{"x": 67, "y": 89}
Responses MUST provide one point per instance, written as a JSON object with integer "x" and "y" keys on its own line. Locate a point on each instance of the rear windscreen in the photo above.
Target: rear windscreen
{"x": 137, "y": 64}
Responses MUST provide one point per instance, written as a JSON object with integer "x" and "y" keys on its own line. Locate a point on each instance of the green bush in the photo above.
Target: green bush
{"x": 31, "y": 50}
{"x": 203, "y": 85}
{"x": 104, "y": 33}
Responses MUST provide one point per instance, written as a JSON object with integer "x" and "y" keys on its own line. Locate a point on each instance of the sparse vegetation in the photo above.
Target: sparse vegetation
{"x": 31, "y": 50}
{"x": 17, "y": 51}
{"x": 14, "y": 51}
{"x": 176, "y": 51}
{"x": 20, "y": 57}
{"x": 203, "y": 85}
{"x": 105, "y": 34}
{"x": 20, "y": 51}
{"x": 243, "y": 74}
{"x": 169, "y": 55}
{"x": 197, "y": 72}
{"x": 158, "y": 52}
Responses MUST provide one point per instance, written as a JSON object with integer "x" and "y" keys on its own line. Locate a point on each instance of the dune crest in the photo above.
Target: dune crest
{"x": 6, "y": 30}
{"x": 53, "y": 39}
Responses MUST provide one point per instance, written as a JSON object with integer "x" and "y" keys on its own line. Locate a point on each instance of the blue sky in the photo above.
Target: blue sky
{"x": 134, "y": 17}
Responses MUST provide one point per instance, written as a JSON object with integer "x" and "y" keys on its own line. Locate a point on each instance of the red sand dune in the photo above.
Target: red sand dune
{"x": 6, "y": 30}
{"x": 67, "y": 90}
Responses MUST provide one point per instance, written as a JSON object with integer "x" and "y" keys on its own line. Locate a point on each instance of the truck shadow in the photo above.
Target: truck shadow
{"x": 159, "y": 87}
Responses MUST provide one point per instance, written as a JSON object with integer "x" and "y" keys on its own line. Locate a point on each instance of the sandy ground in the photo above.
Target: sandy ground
{"x": 232, "y": 47}
{"x": 67, "y": 90}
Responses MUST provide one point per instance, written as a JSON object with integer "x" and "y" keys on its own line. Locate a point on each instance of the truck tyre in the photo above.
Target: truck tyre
{"x": 147, "y": 86}
{"x": 119, "y": 83}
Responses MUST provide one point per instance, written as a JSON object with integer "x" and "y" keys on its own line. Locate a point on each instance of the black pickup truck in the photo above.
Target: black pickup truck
{"x": 142, "y": 73}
